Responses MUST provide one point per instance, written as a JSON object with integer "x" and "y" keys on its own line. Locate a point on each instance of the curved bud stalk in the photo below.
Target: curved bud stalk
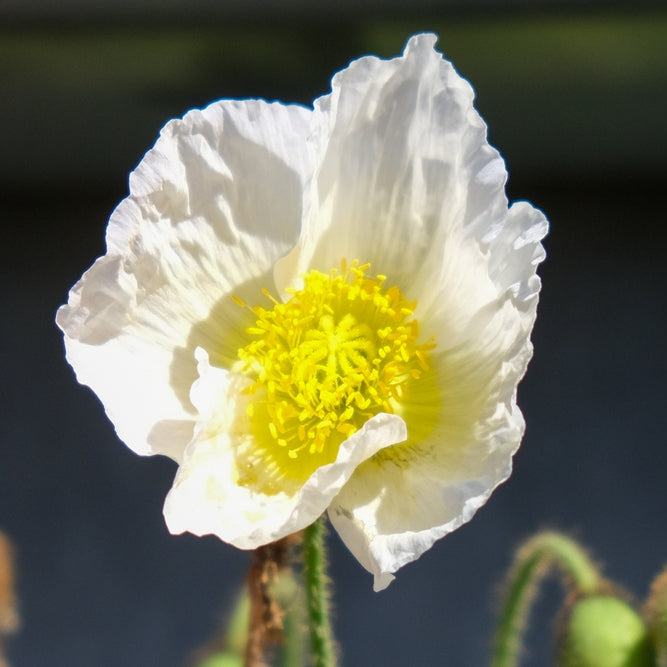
{"x": 534, "y": 560}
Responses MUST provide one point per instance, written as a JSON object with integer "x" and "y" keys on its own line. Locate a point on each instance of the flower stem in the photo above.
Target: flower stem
{"x": 317, "y": 596}
{"x": 533, "y": 561}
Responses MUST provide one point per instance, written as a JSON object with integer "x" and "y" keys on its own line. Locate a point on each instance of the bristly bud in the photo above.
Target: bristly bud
{"x": 604, "y": 631}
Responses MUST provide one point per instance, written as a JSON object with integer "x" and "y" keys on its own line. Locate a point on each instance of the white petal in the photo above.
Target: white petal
{"x": 514, "y": 251}
{"x": 391, "y": 512}
{"x": 409, "y": 183}
{"x": 463, "y": 426}
{"x": 463, "y": 430}
{"x": 405, "y": 164}
{"x": 206, "y": 498}
{"x": 211, "y": 208}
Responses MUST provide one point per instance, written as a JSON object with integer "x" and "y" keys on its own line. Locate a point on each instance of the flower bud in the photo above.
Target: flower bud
{"x": 603, "y": 631}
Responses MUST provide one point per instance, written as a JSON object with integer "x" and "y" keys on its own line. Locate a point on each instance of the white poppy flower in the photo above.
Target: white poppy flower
{"x": 324, "y": 309}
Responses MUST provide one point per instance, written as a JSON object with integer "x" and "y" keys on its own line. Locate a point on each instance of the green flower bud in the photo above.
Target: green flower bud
{"x": 603, "y": 631}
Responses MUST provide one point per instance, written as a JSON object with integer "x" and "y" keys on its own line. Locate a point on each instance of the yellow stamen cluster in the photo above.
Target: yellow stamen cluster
{"x": 341, "y": 350}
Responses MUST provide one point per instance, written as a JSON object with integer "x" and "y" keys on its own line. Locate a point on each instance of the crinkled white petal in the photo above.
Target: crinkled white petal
{"x": 206, "y": 499}
{"x": 211, "y": 208}
{"x": 393, "y": 509}
{"x": 406, "y": 170}
{"x": 409, "y": 183}
{"x": 398, "y": 504}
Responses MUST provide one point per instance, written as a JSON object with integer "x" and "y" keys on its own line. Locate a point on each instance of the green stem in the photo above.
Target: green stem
{"x": 533, "y": 561}
{"x": 317, "y": 597}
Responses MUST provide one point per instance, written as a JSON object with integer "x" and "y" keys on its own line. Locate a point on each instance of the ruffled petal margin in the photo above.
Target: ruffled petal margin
{"x": 195, "y": 229}
{"x": 206, "y": 498}
{"x": 391, "y": 511}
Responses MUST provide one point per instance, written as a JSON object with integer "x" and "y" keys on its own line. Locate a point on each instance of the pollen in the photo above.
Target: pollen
{"x": 339, "y": 351}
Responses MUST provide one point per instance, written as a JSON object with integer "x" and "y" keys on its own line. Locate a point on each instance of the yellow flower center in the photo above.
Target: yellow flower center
{"x": 340, "y": 350}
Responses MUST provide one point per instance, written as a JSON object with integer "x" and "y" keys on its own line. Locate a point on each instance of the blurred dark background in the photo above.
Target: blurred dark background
{"x": 575, "y": 97}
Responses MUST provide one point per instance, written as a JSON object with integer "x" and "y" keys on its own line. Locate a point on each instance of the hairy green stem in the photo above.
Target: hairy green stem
{"x": 317, "y": 596}
{"x": 533, "y": 561}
